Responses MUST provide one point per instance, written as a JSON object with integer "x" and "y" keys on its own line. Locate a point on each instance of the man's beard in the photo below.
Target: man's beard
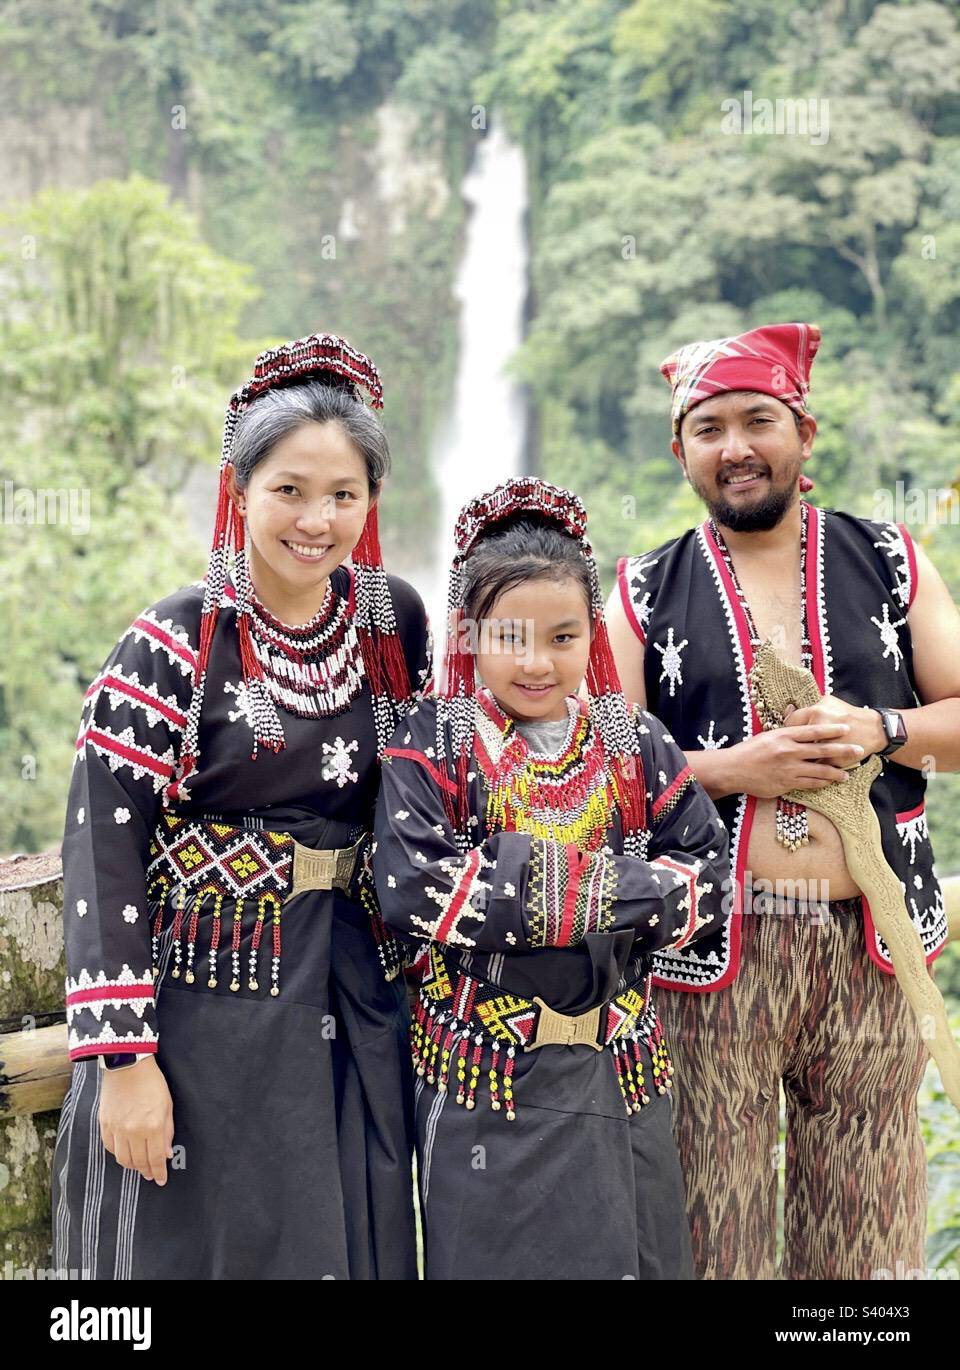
{"x": 753, "y": 518}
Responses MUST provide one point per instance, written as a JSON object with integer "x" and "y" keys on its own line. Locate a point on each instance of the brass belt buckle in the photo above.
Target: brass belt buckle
{"x": 322, "y": 870}
{"x": 566, "y": 1030}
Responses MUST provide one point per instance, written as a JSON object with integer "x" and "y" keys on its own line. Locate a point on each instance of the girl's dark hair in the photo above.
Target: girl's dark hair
{"x": 328, "y": 399}
{"x": 519, "y": 548}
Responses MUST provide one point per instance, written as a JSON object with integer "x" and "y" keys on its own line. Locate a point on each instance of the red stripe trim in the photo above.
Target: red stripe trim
{"x": 625, "y": 597}
{"x": 460, "y": 897}
{"x": 691, "y": 879}
{"x": 110, "y": 744}
{"x": 671, "y": 790}
{"x": 810, "y": 591}
{"x": 576, "y": 865}
{"x": 911, "y": 562}
{"x": 151, "y": 630}
{"x": 111, "y": 682}
{"x": 739, "y": 617}
{"x": 102, "y": 992}
{"x": 115, "y": 1049}
{"x": 911, "y": 813}
{"x": 406, "y": 754}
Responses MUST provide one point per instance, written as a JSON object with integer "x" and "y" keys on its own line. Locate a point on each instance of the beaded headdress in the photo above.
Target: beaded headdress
{"x": 384, "y": 663}
{"x": 456, "y": 703}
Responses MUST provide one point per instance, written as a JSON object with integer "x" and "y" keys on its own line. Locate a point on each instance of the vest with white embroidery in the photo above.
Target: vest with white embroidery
{"x": 860, "y": 579}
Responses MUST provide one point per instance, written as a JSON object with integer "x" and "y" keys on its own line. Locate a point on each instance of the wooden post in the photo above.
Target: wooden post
{"x": 32, "y": 1055}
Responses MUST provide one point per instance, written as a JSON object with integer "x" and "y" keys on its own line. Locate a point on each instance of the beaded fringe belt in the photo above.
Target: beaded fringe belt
{"x": 456, "y": 1019}
{"x": 199, "y": 865}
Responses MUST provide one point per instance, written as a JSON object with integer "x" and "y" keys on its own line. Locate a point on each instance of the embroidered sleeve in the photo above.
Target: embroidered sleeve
{"x": 687, "y": 849}
{"x": 126, "y": 752}
{"x": 426, "y": 886}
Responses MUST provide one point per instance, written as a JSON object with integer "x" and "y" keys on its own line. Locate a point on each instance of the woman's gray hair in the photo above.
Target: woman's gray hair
{"x": 277, "y": 413}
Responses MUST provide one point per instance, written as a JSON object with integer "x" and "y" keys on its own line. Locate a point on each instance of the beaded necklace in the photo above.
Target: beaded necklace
{"x": 312, "y": 669}
{"x": 567, "y": 798}
{"x": 791, "y": 819}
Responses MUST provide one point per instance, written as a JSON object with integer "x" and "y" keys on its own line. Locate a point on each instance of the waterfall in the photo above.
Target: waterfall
{"x": 482, "y": 442}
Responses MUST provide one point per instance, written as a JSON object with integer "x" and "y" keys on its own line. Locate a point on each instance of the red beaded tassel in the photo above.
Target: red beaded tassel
{"x": 662, "y": 1064}
{"x": 235, "y": 946}
{"x": 383, "y": 657}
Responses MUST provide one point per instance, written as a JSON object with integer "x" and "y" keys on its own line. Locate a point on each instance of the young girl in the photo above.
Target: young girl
{"x": 544, "y": 845}
{"x": 241, "y": 1101}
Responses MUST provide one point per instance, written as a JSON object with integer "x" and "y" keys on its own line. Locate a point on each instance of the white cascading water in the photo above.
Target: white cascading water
{"x": 483, "y": 441}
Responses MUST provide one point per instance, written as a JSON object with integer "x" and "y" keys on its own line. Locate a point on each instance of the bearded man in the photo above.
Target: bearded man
{"x": 797, "y": 985}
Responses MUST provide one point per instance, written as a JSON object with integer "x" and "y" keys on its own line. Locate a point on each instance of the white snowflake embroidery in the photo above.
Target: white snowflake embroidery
{"x": 402, "y": 814}
{"x": 918, "y": 882}
{"x": 420, "y": 857}
{"x": 508, "y": 889}
{"x": 244, "y": 707}
{"x": 509, "y": 937}
{"x": 81, "y": 815}
{"x": 640, "y": 566}
{"x": 670, "y": 660}
{"x": 438, "y": 828}
{"x": 710, "y": 743}
{"x": 81, "y": 907}
{"x": 121, "y": 815}
{"x": 130, "y": 913}
{"x": 889, "y": 636}
{"x": 337, "y": 765}
{"x": 391, "y": 882}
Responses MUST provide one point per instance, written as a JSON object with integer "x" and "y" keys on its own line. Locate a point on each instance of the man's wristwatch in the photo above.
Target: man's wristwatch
{"x": 118, "y": 1060}
{"x": 894, "y": 727}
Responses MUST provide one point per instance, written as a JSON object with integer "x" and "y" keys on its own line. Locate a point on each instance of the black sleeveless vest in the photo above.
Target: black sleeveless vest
{"x": 860, "y": 580}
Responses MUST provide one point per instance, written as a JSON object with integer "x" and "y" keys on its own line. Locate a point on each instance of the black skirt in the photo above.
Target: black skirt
{"x": 572, "y": 1188}
{"x": 293, "y": 1121}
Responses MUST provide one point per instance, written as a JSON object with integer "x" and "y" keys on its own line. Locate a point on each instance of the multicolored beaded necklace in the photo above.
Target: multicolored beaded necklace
{"x": 312, "y": 669}
{"x": 792, "y": 828}
{"x": 569, "y": 798}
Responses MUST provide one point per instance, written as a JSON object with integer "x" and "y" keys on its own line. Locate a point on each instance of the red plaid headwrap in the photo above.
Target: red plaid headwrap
{"x": 774, "y": 360}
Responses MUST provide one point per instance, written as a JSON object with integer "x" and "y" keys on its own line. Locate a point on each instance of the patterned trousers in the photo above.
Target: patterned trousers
{"x": 810, "y": 1008}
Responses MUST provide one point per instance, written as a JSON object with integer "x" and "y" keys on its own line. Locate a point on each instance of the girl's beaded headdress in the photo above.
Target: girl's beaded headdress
{"x": 608, "y": 708}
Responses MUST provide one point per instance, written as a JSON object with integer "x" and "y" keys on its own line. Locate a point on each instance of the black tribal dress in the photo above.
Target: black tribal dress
{"x": 280, "y": 1035}
{"x": 553, "y": 1160}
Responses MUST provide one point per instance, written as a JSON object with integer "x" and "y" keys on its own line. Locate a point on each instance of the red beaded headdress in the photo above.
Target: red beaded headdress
{"x": 383, "y": 659}
{"x": 608, "y": 708}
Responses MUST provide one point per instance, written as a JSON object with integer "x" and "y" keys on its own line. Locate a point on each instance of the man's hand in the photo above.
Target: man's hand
{"x": 865, "y": 725}
{"x": 772, "y": 763}
{"x": 136, "y": 1118}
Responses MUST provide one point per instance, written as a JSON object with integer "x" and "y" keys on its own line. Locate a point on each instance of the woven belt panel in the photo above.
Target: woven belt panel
{"x": 459, "y": 1019}
{"x": 201, "y": 856}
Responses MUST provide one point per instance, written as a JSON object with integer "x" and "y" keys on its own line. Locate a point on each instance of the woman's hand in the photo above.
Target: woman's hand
{"x": 136, "y": 1118}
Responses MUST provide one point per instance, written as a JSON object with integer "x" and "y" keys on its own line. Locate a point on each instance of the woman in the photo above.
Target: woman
{"x": 544, "y": 844}
{"x": 240, "y": 1105}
